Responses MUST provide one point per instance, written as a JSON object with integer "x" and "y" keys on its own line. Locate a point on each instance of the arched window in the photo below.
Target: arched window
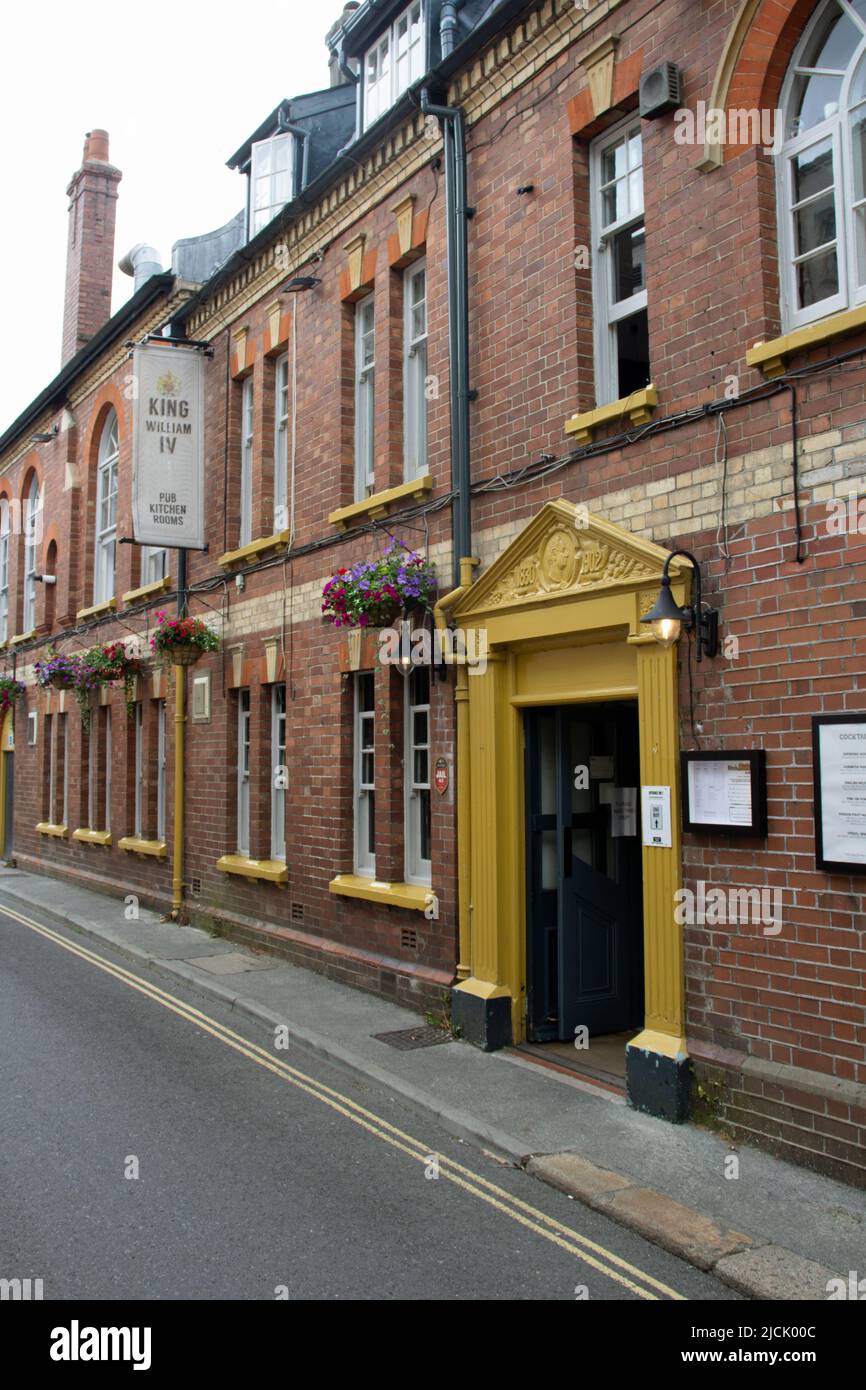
{"x": 4, "y": 569}
{"x": 106, "y": 511}
{"x": 32, "y": 537}
{"x": 821, "y": 167}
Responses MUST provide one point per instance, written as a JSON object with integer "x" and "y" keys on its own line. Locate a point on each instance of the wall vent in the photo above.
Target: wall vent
{"x": 196, "y": 886}
{"x": 297, "y": 912}
{"x": 409, "y": 939}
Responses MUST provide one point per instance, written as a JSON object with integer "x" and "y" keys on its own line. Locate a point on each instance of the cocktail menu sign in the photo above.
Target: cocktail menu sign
{"x": 839, "y": 768}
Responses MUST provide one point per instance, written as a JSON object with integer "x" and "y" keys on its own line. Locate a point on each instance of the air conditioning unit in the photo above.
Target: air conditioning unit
{"x": 660, "y": 90}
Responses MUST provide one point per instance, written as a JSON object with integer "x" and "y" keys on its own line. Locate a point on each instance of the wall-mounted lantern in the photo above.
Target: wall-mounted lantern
{"x": 667, "y": 618}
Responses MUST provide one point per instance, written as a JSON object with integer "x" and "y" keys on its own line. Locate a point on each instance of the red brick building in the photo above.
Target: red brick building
{"x": 665, "y": 311}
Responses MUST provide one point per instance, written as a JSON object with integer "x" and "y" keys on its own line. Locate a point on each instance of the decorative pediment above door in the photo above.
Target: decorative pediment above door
{"x": 563, "y": 553}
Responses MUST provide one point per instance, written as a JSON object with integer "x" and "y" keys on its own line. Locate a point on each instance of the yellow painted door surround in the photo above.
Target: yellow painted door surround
{"x": 561, "y": 609}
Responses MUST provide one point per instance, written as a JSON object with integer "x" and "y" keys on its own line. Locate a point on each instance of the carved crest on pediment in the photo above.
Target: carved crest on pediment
{"x": 567, "y": 559}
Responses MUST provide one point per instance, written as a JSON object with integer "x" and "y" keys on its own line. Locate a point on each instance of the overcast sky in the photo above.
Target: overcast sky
{"x": 178, "y": 90}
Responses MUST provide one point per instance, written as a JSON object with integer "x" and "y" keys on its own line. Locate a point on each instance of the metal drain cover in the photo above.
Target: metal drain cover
{"x": 406, "y": 1039}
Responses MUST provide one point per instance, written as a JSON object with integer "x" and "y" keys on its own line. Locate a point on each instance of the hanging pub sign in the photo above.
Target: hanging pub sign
{"x": 168, "y": 447}
{"x": 839, "y": 773}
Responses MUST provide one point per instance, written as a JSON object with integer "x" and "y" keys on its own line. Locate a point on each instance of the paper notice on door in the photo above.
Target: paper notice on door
{"x": 601, "y": 767}
{"x": 605, "y": 793}
{"x": 624, "y": 812}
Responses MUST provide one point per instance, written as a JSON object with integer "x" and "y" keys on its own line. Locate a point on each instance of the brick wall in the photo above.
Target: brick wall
{"x": 792, "y": 1001}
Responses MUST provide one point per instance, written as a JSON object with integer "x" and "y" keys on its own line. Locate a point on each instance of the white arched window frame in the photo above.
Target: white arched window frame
{"x": 106, "y": 511}
{"x": 821, "y": 167}
{"x": 32, "y": 537}
{"x": 4, "y": 570}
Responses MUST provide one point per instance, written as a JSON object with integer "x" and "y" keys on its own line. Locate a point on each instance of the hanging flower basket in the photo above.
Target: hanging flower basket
{"x": 10, "y": 691}
{"x": 183, "y": 654}
{"x": 104, "y": 665}
{"x": 182, "y": 641}
{"x": 58, "y": 671}
{"x": 375, "y": 593}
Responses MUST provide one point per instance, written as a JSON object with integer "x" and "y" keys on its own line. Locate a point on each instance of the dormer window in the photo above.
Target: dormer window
{"x": 271, "y": 168}
{"x": 394, "y": 62}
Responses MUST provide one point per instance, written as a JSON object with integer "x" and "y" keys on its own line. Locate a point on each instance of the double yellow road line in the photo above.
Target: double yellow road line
{"x": 589, "y": 1252}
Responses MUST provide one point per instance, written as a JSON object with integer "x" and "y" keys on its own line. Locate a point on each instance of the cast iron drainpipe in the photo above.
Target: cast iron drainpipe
{"x": 458, "y": 214}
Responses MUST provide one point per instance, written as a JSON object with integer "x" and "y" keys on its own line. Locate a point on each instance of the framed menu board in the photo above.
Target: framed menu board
{"x": 839, "y": 772}
{"x": 725, "y": 790}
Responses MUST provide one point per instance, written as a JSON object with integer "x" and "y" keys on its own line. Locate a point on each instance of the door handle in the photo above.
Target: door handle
{"x": 566, "y": 851}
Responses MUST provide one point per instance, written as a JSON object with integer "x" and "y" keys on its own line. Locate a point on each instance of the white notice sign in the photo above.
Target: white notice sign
{"x": 168, "y": 447}
{"x": 656, "y": 812}
{"x": 720, "y": 792}
{"x": 624, "y": 815}
{"x": 843, "y": 793}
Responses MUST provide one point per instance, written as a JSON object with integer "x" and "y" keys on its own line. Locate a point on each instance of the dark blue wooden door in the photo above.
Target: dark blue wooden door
{"x": 585, "y": 948}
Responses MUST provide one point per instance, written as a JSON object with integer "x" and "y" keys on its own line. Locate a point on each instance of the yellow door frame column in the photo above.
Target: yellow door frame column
{"x": 561, "y": 611}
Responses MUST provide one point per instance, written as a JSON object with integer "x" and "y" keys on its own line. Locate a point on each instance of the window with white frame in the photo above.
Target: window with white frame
{"x": 365, "y": 398}
{"x": 32, "y": 531}
{"x": 281, "y": 441}
{"x": 138, "y": 817}
{"x": 154, "y": 564}
{"x": 160, "y": 770}
{"x": 106, "y": 511}
{"x": 278, "y": 776}
{"x": 62, "y": 728}
{"x": 106, "y": 824}
{"x": 365, "y": 775}
{"x": 4, "y": 570}
{"x": 415, "y": 370}
{"x": 394, "y": 62}
{"x": 243, "y": 837}
{"x": 246, "y": 526}
{"x": 51, "y": 753}
{"x": 92, "y": 765}
{"x": 619, "y": 264}
{"x": 821, "y": 167}
{"x": 416, "y": 775}
{"x": 271, "y": 171}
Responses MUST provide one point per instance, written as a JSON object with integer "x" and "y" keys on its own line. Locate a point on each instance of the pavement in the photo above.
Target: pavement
{"x": 773, "y": 1231}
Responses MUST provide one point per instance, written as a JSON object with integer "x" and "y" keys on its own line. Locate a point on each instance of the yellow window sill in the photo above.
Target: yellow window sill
{"x": 133, "y": 845}
{"x": 639, "y": 407}
{"x": 770, "y": 357}
{"x": 22, "y": 637}
{"x": 407, "y": 895}
{"x": 378, "y": 504}
{"x": 271, "y": 870}
{"x": 96, "y": 611}
{"x": 158, "y": 586}
{"x": 93, "y": 837}
{"x": 277, "y": 542}
{"x": 59, "y": 831}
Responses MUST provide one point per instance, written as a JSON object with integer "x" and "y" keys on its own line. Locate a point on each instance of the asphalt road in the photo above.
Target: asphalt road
{"x": 156, "y": 1146}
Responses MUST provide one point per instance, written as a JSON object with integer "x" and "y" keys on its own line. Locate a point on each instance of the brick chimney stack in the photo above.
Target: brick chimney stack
{"x": 90, "y": 248}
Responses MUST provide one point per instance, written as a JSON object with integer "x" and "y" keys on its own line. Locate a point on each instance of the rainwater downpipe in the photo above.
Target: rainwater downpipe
{"x": 453, "y": 126}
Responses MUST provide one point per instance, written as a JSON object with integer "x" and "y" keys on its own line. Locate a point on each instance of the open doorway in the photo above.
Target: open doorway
{"x": 584, "y": 884}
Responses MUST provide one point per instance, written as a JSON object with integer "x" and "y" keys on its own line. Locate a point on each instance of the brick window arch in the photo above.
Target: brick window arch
{"x": 821, "y": 167}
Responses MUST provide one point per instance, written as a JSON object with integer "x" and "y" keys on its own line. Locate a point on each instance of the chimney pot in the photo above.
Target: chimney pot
{"x": 96, "y": 146}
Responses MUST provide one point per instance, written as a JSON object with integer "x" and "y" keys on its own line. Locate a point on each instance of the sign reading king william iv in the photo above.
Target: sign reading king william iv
{"x": 168, "y": 448}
